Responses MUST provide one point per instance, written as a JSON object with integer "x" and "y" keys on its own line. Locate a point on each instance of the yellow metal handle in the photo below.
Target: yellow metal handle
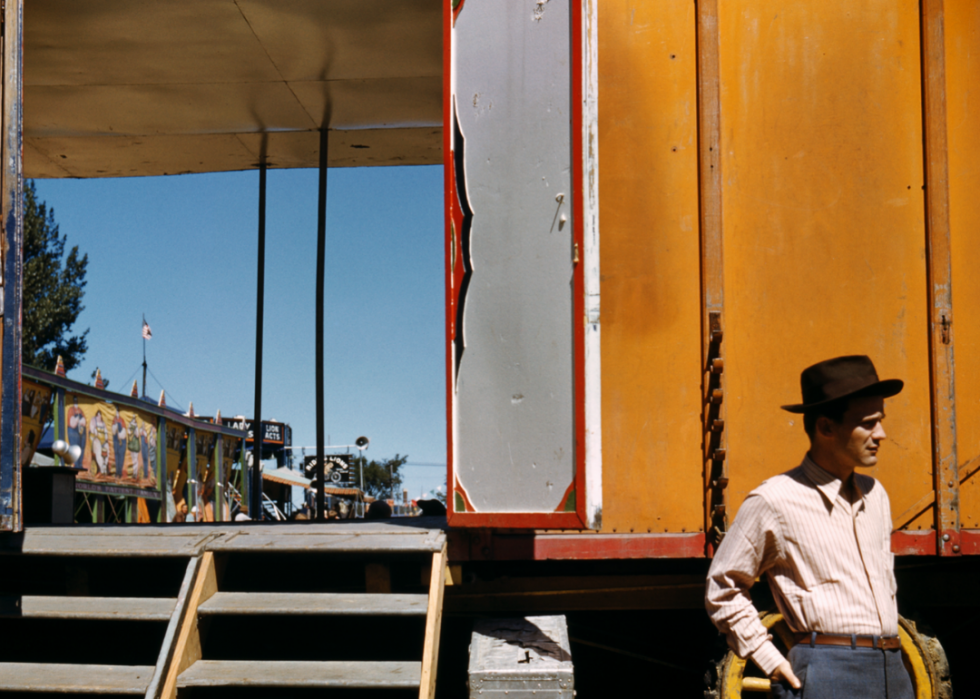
{"x": 756, "y": 684}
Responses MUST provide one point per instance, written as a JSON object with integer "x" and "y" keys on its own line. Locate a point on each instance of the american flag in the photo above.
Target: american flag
{"x": 147, "y": 333}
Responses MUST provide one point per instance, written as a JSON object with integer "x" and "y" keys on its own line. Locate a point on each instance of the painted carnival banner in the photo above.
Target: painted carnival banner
{"x": 118, "y": 443}
{"x": 35, "y": 413}
{"x": 336, "y": 469}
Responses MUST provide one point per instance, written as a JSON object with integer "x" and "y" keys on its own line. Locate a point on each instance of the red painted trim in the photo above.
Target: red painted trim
{"x": 918, "y": 543}
{"x": 578, "y": 219}
{"x": 467, "y": 505}
{"x": 448, "y": 203}
{"x": 564, "y": 497}
{"x": 524, "y": 520}
{"x": 572, "y": 546}
{"x": 516, "y": 520}
{"x": 970, "y": 542}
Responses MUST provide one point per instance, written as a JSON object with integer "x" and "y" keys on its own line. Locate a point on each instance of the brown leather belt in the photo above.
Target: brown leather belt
{"x": 834, "y": 639}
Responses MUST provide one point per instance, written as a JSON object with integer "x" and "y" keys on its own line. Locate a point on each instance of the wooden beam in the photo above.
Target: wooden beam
{"x": 173, "y": 630}
{"x": 938, "y": 254}
{"x": 712, "y": 271}
{"x": 187, "y": 650}
{"x": 433, "y": 625}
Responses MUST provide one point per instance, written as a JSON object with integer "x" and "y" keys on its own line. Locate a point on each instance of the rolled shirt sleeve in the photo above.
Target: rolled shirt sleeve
{"x": 750, "y": 547}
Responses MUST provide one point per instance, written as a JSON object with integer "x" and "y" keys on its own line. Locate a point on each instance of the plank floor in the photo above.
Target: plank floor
{"x": 51, "y": 607}
{"x": 355, "y": 604}
{"x": 75, "y": 679}
{"x": 213, "y": 673}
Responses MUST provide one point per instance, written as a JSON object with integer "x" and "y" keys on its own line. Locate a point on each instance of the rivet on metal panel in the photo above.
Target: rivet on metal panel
{"x": 956, "y": 548}
{"x": 945, "y": 537}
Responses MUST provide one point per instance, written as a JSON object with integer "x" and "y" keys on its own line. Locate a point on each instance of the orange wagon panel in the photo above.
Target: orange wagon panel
{"x": 650, "y": 257}
{"x": 823, "y": 220}
{"x": 962, "y": 25}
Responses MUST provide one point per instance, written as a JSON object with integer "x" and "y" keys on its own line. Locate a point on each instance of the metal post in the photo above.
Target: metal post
{"x": 143, "y": 334}
{"x": 255, "y": 499}
{"x": 12, "y": 199}
{"x": 192, "y": 484}
{"x": 321, "y": 245}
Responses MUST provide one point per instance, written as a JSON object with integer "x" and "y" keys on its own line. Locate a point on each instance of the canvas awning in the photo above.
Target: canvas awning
{"x": 116, "y": 88}
{"x": 286, "y": 476}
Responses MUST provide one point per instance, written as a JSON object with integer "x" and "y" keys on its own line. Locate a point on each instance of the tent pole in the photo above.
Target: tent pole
{"x": 321, "y": 244}
{"x": 255, "y": 506}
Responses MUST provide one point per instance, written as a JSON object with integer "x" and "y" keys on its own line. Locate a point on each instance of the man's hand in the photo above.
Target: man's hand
{"x": 785, "y": 672}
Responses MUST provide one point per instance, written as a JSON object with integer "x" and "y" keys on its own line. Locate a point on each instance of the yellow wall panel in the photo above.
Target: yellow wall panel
{"x": 962, "y": 24}
{"x": 823, "y": 216}
{"x": 650, "y": 258}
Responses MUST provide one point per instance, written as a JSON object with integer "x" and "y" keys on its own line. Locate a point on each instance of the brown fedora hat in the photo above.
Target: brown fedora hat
{"x": 841, "y": 377}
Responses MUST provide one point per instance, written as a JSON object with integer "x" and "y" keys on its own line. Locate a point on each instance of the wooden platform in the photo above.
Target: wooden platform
{"x": 383, "y": 536}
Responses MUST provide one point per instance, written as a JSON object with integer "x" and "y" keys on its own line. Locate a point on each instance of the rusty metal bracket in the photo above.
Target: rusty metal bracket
{"x": 939, "y": 274}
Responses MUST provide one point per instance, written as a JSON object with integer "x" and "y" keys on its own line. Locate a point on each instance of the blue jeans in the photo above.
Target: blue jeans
{"x": 840, "y": 672}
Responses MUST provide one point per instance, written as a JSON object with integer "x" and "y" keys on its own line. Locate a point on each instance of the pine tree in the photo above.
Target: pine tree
{"x": 53, "y": 290}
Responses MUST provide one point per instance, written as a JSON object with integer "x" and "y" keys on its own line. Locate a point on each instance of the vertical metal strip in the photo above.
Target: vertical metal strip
{"x": 938, "y": 252}
{"x": 321, "y": 247}
{"x": 12, "y": 245}
{"x": 590, "y": 256}
{"x": 255, "y": 491}
{"x": 712, "y": 269}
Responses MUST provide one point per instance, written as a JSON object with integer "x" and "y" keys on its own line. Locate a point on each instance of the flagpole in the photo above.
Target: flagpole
{"x": 143, "y": 333}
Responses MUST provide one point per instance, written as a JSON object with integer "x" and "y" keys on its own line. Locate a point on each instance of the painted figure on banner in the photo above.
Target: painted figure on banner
{"x": 119, "y": 443}
{"x": 39, "y": 406}
{"x": 100, "y": 445}
{"x": 27, "y": 449}
{"x": 148, "y": 449}
{"x": 76, "y": 428}
{"x": 26, "y": 400}
{"x": 133, "y": 446}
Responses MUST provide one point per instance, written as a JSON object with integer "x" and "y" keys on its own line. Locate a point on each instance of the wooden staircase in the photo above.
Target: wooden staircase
{"x": 260, "y": 610}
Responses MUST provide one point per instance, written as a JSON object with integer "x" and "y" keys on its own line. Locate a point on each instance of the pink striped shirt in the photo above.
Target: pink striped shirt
{"x": 828, "y": 562}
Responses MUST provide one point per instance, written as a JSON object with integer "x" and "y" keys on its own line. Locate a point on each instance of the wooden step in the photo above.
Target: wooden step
{"x": 214, "y": 673}
{"x": 75, "y": 679}
{"x": 121, "y": 608}
{"x": 353, "y": 604}
{"x": 399, "y": 536}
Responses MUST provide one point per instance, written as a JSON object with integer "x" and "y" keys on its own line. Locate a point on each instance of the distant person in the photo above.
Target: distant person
{"x": 431, "y": 508}
{"x": 378, "y": 509}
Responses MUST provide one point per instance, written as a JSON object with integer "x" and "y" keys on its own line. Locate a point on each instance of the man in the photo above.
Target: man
{"x": 822, "y": 535}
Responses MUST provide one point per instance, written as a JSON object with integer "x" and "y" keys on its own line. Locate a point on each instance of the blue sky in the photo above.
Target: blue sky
{"x": 182, "y": 250}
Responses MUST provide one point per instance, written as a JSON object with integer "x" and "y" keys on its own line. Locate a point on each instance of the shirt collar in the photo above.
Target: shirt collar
{"x": 826, "y": 482}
